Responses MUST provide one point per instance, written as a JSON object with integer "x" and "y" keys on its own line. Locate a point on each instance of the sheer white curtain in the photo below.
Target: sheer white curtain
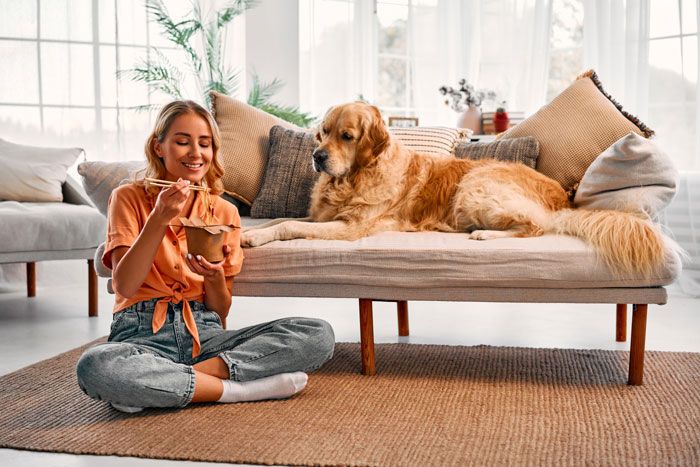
{"x": 616, "y": 45}
{"x": 500, "y": 45}
{"x": 337, "y": 41}
{"x": 648, "y": 62}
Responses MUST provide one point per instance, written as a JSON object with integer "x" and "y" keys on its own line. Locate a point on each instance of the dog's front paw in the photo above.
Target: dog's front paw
{"x": 480, "y": 235}
{"x": 253, "y": 238}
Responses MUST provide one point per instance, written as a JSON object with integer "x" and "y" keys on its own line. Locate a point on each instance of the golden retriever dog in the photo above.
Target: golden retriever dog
{"x": 370, "y": 183}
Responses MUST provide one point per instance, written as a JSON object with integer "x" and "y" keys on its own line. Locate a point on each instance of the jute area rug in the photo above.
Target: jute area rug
{"x": 428, "y": 405}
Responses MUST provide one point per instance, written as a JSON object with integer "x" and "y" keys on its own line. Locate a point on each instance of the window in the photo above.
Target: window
{"x": 394, "y": 57}
{"x": 58, "y": 77}
{"x": 673, "y": 79}
{"x": 397, "y": 53}
{"x": 565, "y": 45}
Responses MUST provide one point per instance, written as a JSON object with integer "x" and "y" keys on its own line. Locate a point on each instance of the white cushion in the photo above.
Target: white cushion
{"x": 100, "y": 178}
{"x": 49, "y": 227}
{"x": 31, "y": 173}
{"x": 434, "y": 260}
{"x": 633, "y": 174}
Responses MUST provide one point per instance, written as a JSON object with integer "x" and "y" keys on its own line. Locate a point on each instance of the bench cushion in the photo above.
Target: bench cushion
{"x": 435, "y": 259}
{"x": 49, "y": 227}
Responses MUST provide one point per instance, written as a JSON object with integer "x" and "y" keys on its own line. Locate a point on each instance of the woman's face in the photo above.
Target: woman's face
{"x": 187, "y": 149}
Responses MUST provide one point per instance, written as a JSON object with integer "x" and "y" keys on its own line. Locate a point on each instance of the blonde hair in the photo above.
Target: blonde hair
{"x": 169, "y": 113}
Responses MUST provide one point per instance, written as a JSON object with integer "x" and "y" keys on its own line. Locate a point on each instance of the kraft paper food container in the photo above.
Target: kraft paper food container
{"x": 201, "y": 242}
{"x": 205, "y": 240}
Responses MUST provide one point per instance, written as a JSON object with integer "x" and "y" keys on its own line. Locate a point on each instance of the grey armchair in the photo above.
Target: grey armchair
{"x": 31, "y": 232}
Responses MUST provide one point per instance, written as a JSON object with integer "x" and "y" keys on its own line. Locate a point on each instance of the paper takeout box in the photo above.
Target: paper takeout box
{"x": 205, "y": 240}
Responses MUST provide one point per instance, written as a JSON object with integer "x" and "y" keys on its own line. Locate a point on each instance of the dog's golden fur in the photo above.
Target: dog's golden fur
{"x": 371, "y": 183}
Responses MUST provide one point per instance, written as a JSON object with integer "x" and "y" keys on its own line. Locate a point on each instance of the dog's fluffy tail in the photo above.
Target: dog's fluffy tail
{"x": 626, "y": 242}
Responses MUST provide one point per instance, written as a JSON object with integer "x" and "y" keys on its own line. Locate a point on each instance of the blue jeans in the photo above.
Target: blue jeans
{"x": 139, "y": 368}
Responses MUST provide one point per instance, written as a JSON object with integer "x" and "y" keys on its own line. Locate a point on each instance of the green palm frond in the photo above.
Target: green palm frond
{"x": 228, "y": 84}
{"x": 260, "y": 96}
{"x": 289, "y": 113}
{"x": 261, "y": 92}
{"x": 158, "y": 73}
{"x": 212, "y": 50}
{"x": 177, "y": 33}
{"x": 144, "y": 108}
{"x": 233, "y": 9}
{"x": 200, "y": 39}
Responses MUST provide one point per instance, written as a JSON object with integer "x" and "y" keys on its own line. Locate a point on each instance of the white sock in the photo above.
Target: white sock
{"x": 278, "y": 386}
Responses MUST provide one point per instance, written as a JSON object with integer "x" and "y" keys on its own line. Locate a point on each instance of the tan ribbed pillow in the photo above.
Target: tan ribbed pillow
{"x": 577, "y": 126}
{"x": 431, "y": 139}
{"x": 244, "y": 144}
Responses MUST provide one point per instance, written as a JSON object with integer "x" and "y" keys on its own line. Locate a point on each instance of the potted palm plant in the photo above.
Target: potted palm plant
{"x": 198, "y": 37}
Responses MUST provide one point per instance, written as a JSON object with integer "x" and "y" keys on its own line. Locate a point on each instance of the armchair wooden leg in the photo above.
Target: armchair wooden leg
{"x": 402, "y": 312}
{"x": 639, "y": 328}
{"x": 31, "y": 279}
{"x": 367, "y": 337}
{"x": 621, "y": 323}
{"x": 92, "y": 288}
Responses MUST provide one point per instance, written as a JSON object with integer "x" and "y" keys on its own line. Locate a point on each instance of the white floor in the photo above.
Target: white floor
{"x": 56, "y": 320}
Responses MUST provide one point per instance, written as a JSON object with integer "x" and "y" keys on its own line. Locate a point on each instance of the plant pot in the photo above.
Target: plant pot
{"x": 470, "y": 118}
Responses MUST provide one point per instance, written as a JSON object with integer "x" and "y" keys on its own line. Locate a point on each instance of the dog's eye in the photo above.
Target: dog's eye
{"x": 324, "y": 131}
{"x": 347, "y": 136}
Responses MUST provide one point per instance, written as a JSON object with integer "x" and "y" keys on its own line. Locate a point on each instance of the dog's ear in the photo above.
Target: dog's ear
{"x": 326, "y": 118}
{"x": 376, "y": 132}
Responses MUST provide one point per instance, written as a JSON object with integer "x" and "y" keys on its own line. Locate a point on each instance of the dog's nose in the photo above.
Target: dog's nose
{"x": 320, "y": 156}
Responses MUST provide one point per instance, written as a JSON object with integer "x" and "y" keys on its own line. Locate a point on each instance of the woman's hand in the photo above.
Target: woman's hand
{"x": 201, "y": 266}
{"x": 217, "y": 290}
{"x": 171, "y": 201}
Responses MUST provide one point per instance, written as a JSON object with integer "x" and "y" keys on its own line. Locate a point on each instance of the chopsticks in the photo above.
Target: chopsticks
{"x": 167, "y": 183}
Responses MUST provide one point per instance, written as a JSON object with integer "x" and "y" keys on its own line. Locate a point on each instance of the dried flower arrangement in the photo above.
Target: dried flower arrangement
{"x": 465, "y": 95}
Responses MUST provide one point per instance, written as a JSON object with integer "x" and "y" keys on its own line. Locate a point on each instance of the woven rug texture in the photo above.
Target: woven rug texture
{"x": 428, "y": 405}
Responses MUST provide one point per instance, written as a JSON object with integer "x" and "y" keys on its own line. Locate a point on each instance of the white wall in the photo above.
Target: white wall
{"x": 272, "y": 45}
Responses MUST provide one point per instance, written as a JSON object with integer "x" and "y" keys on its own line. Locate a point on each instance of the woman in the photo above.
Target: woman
{"x": 167, "y": 347}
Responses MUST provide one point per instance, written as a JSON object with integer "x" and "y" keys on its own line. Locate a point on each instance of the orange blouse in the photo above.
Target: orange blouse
{"x": 169, "y": 278}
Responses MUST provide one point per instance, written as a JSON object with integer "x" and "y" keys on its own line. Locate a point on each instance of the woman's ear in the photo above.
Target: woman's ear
{"x": 157, "y": 147}
{"x": 378, "y": 134}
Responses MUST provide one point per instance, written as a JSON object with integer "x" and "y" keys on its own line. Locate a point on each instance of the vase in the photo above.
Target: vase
{"x": 470, "y": 118}
{"x": 501, "y": 121}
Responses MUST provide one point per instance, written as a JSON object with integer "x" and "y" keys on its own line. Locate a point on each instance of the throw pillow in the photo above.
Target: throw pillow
{"x": 35, "y": 174}
{"x": 244, "y": 144}
{"x": 575, "y": 127}
{"x": 631, "y": 175}
{"x": 431, "y": 139}
{"x": 289, "y": 176}
{"x": 100, "y": 178}
{"x": 524, "y": 150}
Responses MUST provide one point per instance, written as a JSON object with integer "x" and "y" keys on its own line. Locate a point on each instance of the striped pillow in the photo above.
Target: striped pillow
{"x": 431, "y": 139}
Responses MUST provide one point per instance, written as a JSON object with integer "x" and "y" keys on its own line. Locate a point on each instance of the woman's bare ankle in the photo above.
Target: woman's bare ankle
{"x": 214, "y": 366}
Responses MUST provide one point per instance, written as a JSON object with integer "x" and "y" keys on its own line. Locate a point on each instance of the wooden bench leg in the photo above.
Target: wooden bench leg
{"x": 92, "y": 288}
{"x": 621, "y": 323}
{"x": 639, "y": 328}
{"x": 367, "y": 337}
{"x": 402, "y": 312}
{"x": 31, "y": 279}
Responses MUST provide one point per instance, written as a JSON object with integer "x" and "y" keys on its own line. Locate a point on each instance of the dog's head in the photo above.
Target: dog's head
{"x": 352, "y": 136}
